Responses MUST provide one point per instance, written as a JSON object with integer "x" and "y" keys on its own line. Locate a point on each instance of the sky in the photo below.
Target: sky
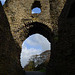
{"x": 2, "y": 1}
{"x": 34, "y": 44}
{"x": 36, "y": 10}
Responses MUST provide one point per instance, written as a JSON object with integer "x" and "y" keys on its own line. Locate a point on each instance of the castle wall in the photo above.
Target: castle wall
{"x": 63, "y": 63}
{"x": 19, "y": 14}
{"x": 55, "y": 24}
{"x": 9, "y": 49}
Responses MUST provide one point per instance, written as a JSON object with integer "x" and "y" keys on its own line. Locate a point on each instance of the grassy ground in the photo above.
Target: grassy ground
{"x": 42, "y": 70}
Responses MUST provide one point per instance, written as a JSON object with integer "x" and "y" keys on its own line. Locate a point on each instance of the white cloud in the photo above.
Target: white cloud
{"x": 33, "y": 40}
{"x": 2, "y": 1}
{"x": 45, "y": 44}
{"x": 33, "y": 12}
{"x": 38, "y": 39}
{"x": 26, "y": 54}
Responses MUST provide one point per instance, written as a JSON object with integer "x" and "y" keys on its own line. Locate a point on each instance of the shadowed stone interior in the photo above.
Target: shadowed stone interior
{"x": 55, "y": 22}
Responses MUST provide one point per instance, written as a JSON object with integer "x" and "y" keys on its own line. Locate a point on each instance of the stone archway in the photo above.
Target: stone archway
{"x": 37, "y": 27}
{"x": 23, "y": 24}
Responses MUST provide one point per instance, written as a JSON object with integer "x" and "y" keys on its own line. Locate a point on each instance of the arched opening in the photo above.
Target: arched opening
{"x": 35, "y": 53}
{"x": 3, "y": 1}
{"x": 36, "y": 10}
{"x": 36, "y": 7}
{"x": 39, "y": 28}
{"x": 36, "y": 27}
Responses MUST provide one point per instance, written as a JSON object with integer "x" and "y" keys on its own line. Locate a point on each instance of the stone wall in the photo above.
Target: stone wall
{"x": 19, "y": 14}
{"x": 56, "y": 7}
{"x": 20, "y": 23}
{"x": 62, "y": 60}
{"x": 9, "y": 49}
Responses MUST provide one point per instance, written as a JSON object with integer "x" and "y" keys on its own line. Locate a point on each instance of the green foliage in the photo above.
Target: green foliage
{"x": 30, "y": 66}
{"x": 42, "y": 70}
{"x": 56, "y": 38}
{"x": 41, "y": 67}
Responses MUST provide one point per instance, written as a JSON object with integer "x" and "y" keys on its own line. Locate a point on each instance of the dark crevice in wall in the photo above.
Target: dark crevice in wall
{"x": 41, "y": 29}
{"x": 36, "y": 4}
{"x": 72, "y": 11}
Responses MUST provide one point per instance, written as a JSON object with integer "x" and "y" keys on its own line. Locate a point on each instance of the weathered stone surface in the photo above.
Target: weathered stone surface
{"x": 56, "y": 7}
{"x": 19, "y": 13}
{"x": 9, "y": 49}
{"x": 61, "y": 34}
{"x": 62, "y": 60}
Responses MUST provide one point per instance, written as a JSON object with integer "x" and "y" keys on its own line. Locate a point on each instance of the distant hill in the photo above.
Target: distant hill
{"x": 46, "y": 54}
{"x": 37, "y": 62}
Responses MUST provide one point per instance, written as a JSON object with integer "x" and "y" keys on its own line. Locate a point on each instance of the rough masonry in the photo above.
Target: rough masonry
{"x": 55, "y": 22}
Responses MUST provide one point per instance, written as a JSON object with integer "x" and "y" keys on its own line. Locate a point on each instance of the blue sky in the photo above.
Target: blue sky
{"x": 2, "y": 1}
{"x": 36, "y": 10}
{"x": 34, "y": 44}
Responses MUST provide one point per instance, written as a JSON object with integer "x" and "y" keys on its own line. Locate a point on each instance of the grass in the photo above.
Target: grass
{"x": 42, "y": 70}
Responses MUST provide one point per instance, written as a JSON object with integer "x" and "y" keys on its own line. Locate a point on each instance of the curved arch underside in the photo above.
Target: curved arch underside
{"x": 62, "y": 55}
{"x": 41, "y": 29}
